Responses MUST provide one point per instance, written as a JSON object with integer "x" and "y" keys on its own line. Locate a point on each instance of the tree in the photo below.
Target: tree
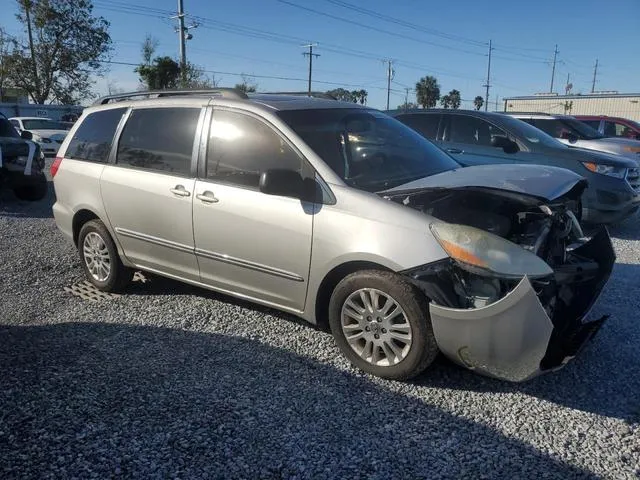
{"x": 478, "y": 102}
{"x": 359, "y": 96}
{"x": 5, "y": 45}
{"x": 354, "y": 96}
{"x": 162, "y": 73}
{"x": 445, "y": 101}
{"x": 454, "y": 99}
{"x": 407, "y": 106}
{"x": 427, "y": 92}
{"x": 247, "y": 85}
{"x": 341, "y": 94}
{"x": 66, "y": 45}
{"x": 149, "y": 47}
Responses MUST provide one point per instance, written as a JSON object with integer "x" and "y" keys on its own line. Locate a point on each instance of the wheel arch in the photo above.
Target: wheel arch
{"x": 81, "y": 217}
{"x": 331, "y": 280}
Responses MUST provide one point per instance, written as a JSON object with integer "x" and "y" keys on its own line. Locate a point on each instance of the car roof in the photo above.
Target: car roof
{"x": 225, "y": 97}
{"x": 448, "y": 111}
{"x": 540, "y": 115}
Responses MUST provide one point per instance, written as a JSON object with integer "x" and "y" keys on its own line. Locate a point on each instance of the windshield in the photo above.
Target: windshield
{"x": 366, "y": 148}
{"x": 43, "y": 124}
{"x": 530, "y": 134}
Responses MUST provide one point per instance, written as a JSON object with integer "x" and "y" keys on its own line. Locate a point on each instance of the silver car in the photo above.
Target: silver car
{"x": 341, "y": 215}
{"x": 574, "y": 133}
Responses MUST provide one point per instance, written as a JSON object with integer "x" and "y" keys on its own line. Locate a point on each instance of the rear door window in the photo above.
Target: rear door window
{"x": 92, "y": 140}
{"x": 425, "y": 124}
{"x": 159, "y": 139}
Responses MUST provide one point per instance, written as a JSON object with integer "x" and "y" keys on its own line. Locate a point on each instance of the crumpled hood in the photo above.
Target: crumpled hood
{"x": 542, "y": 182}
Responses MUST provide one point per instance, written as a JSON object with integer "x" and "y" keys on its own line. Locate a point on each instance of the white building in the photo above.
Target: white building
{"x": 613, "y": 104}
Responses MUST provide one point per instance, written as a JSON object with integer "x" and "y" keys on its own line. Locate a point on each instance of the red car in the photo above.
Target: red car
{"x": 612, "y": 126}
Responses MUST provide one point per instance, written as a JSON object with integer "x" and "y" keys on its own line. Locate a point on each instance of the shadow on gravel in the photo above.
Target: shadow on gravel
{"x": 10, "y": 206}
{"x": 142, "y": 402}
{"x": 596, "y": 381}
{"x": 602, "y": 379}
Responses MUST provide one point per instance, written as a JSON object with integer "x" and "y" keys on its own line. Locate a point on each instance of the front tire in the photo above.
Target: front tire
{"x": 100, "y": 259}
{"x": 381, "y": 323}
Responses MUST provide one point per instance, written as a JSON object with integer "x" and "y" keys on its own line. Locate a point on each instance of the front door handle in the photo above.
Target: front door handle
{"x": 207, "y": 197}
{"x": 454, "y": 150}
{"x": 180, "y": 191}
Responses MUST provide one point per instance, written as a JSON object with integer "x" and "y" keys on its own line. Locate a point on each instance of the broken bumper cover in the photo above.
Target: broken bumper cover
{"x": 514, "y": 338}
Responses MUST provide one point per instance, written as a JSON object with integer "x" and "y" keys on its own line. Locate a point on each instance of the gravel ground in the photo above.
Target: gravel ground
{"x": 170, "y": 381}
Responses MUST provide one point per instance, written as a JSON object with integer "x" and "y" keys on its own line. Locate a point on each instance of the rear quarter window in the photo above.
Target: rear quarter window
{"x": 92, "y": 140}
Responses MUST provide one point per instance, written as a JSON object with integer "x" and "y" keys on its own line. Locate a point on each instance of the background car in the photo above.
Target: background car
{"x": 612, "y": 126}
{"x": 21, "y": 163}
{"x": 474, "y": 138}
{"x": 574, "y": 133}
{"x": 47, "y": 133}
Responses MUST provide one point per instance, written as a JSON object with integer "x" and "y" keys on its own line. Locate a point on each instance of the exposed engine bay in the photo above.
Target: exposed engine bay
{"x": 549, "y": 229}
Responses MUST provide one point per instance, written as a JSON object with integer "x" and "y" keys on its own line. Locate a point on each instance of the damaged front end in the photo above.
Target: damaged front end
{"x": 512, "y": 300}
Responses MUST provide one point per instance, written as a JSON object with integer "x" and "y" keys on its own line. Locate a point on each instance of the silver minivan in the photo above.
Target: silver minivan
{"x": 341, "y": 215}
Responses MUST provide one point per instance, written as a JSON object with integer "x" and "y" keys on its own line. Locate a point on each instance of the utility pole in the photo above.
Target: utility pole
{"x": 553, "y": 69}
{"x": 181, "y": 36}
{"x": 595, "y": 72}
{"x": 406, "y": 99}
{"x": 390, "y": 75}
{"x": 311, "y": 55}
{"x": 488, "y": 84}
{"x": 497, "y": 97}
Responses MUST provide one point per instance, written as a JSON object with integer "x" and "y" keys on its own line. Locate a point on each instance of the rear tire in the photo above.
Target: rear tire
{"x": 32, "y": 192}
{"x": 100, "y": 259}
{"x": 381, "y": 323}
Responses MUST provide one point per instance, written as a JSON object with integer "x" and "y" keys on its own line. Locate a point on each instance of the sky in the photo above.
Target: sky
{"x": 449, "y": 40}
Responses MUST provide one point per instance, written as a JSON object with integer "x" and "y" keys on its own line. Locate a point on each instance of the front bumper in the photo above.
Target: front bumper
{"x": 514, "y": 338}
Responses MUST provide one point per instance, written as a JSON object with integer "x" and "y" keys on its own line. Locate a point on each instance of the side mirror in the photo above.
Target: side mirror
{"x": 285, "y": 183}
{"x": 571, "y": 137}
{"x": 26, "y": 135}
{"x": 500, "y": 141}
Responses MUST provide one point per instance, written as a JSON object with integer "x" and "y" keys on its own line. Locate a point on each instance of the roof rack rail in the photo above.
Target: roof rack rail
{"x": 223, "y": 92}
{"x": 302, "y": 94}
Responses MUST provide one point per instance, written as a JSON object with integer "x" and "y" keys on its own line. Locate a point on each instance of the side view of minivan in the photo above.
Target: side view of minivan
{"x": 341, "y": 215}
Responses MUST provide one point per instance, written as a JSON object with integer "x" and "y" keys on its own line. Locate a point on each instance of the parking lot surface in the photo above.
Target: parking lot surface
{"x": 170, "y": 381}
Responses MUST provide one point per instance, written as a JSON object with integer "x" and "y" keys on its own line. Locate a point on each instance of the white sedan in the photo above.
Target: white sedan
{"x": 48, "y": 133}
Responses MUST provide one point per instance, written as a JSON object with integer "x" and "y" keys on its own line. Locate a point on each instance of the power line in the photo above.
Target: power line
{"x": 270, "y": 77}
{"x": 376, "y": 29}
{"x": 291, "y": 40}
{"x": 404, "y": 23}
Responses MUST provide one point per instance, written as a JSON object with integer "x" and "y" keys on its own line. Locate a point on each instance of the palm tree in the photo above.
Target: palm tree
{"x": 427, "y": 91}
{"x": 478, "y": 102}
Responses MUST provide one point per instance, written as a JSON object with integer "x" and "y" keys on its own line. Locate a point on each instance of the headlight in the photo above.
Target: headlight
{"x": 618, "y": 172}
{"x": 484, "y": 253}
